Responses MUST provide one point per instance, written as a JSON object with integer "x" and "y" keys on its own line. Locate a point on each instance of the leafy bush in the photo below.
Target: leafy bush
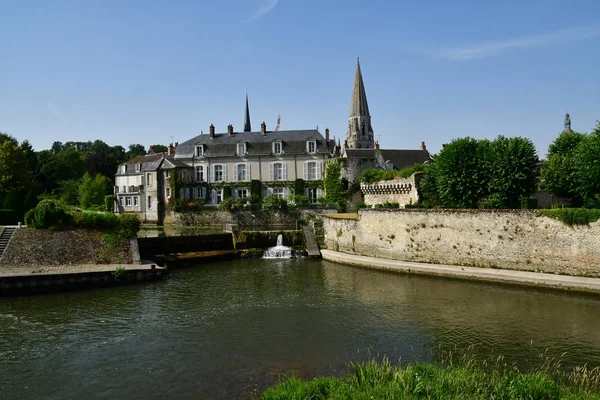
{"x": 376, "y": 175}
{"x": 300, "y": 199}
{"x": 226, "y": 204}
{"x": 128, "y": 225}
{"x": 95, "y": 220}
{"x": 273, "y": 202}
{"x": 93, "y": 189}
{"x": 360, "y": 205}
{"x": 48, "y": 214}
{"x": 572, "y": 216}
{"x": 109, "y": 202}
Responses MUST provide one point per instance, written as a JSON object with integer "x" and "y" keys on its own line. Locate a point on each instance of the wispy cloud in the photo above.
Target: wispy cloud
{"x": 267, "y": 6}
{"x": 56, "y": 112}
{"x": 491, "y": 49}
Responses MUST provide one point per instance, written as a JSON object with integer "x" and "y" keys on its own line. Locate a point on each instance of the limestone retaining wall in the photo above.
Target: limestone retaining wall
{"x": 485, "y": 238}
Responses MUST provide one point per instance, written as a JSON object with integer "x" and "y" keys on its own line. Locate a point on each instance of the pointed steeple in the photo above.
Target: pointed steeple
{"x": 247, "y": 127}
{"x": 360, "y": 132}
{"x": 567, "y": 124}
{"x": 359, "y": 105}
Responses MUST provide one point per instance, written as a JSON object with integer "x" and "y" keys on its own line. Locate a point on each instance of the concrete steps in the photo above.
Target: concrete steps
{"x": 312, "y": 247}
{"x": 5, "y": 235}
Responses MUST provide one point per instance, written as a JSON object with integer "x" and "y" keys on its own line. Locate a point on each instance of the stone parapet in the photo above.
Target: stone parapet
{"x": 402, "y": 191}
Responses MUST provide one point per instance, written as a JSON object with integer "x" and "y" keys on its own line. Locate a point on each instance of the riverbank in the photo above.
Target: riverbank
{"x": 517, "y": 240}
{"x": 467, "y": 379}
{"x": 523, "y": 278}
{"x": 45, "y": 279}
{"x": 34, "y": 247}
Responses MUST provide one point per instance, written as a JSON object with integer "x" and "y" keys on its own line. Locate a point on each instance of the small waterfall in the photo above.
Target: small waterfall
{"x": 279, "y": 251}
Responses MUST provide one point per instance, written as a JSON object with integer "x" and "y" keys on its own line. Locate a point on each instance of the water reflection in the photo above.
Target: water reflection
{"x": 224, "y": 329}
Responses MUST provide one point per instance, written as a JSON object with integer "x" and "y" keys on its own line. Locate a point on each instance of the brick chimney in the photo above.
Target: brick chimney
{"x": 263, "y": 128}
{"x": 327, "y": 134}
{"x": 423, "y": 146}
{"x": 170, "y": 149}
{"x": 212, "y": 131}
{"x": 377, "y": 145}
{"x": 230, "y": 129}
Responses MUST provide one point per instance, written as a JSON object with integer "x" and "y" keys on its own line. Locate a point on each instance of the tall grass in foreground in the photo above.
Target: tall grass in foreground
{"x": 463, "y": 378}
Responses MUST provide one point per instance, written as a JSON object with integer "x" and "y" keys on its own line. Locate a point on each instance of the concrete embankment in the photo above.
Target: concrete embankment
{"x": 523, "y": 278}
{"x": 31, "y": 280}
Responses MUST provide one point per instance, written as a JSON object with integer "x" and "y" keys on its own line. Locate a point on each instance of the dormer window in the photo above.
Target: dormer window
{"x": 138, "y": 167}
{"x": 199, "y": 150}
{"x": 241, "y": 149}
{"x": 277, "y": 148}
{"x": 123, "y": 169}
{"x": 311, "y": 146}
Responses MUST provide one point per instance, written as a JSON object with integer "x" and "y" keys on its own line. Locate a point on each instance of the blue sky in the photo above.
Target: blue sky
{"x": 145, "y": 71}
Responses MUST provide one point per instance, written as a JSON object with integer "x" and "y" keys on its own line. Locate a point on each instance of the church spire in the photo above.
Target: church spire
{"x": 247, "y": 127}
{"x": 359, "y": 105}
{"x": 360, "y": 132}
{"x": 567, "y": 124}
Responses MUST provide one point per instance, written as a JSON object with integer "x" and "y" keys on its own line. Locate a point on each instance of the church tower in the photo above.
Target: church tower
{"x": 360, "y": 131}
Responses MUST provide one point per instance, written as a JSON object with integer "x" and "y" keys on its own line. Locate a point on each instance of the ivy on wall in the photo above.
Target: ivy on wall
{"x": 333, "y": 185}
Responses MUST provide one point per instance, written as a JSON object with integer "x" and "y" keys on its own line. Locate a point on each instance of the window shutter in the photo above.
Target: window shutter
{"x": 271, "y": 172}
{"x": 284, "y": 165}
{"x": 319, "y": 170}
{"x": 224, "y": 173}
{"x": 236, "y": 171}
{"x": 269, "y": 190}
{"x": 248, "y": 173}
{"x": 305, "y": 170}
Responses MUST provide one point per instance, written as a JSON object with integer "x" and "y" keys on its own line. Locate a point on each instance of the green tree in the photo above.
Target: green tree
{"x": 512, "y": 166}
{"x": 159, "y": 148}
{"x": 136, "y": 150}
{"x": 460, "y": 173}
{"x": 93, "y": 189}
{"x": 586, "y": 160}
{"x": 558, "y": 172}
{"x": 14, "y": 174}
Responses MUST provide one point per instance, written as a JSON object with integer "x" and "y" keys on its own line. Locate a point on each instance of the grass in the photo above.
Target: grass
{"x": 465, "y": 378}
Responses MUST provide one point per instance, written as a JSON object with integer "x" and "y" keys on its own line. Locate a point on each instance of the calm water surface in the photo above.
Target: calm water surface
{"x": 226, "y": 330}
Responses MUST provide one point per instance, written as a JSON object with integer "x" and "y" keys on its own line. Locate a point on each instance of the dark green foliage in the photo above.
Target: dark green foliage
{"x": 48, "y": 214}
{"x": 376, "y": 175}
{"x": 95, "y": 220}
{"x": 333, "y": 185}
{"x": 572, "y": 216}
{"x": 255, "y": 190}
{"x": 226, "y": 192}
{"x": 9, "y": 217}
{"x": 128, "y": 225}
{"x": 511, "y": 164}
{"x": 586, "y": 160}
{"x": 461, "y": 176}
{"x": 69, "y": 191}
{"x": 529, "y": 203}
{"x": 359, "y": 206}
{"x": 272, "y": 202}
{"x": 300, "y": 199}
{"x": 299, "y": 186}
{"x": 93, "y": 189}
{"x": 226, "y": 204}
{"x": 109, "y": 202}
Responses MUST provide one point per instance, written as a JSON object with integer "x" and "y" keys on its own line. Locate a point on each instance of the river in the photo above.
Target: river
{"x": 228, "y": 329}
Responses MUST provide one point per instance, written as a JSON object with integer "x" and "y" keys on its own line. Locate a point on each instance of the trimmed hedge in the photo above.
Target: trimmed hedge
{"x": 572, "y": 216}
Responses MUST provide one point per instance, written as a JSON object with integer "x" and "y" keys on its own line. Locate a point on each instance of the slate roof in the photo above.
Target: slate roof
{"x": 405, "y": 158}
{"x": 224, "y": 145}
{"x": 399, "y": 158}
{"x": 150, "y": 162}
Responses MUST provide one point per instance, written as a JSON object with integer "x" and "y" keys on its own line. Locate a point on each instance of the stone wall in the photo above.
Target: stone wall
{"x": 485, "y": 238}
{"x": 402, "y": 191}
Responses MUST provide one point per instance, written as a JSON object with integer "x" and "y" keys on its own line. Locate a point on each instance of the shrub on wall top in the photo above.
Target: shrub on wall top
{"x": 128, "y": 225}
{"x": 48, "y": 214}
